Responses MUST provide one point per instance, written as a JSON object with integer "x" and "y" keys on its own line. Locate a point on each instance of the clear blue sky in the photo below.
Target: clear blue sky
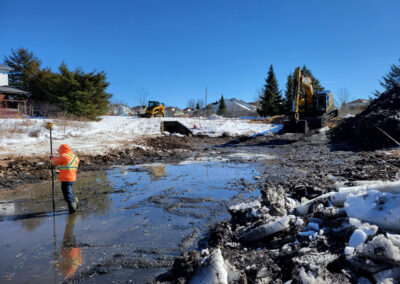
{"x": 175, "y": 49}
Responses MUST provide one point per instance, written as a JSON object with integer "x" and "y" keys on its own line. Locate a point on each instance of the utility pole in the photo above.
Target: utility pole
{"x": 205, "y": 110}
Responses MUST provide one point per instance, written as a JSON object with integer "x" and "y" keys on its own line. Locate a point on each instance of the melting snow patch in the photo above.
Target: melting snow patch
{"x": 380, "y": 208}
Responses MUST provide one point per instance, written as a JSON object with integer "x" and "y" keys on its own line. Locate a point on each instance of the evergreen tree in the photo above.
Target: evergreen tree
{"x": 271, "y": 98}
{"x": 289, "y": 93}
{"x": 391, "y": 80}
{"x": 315, "y": 82}
{"x": 222, "y": 107}
{"x": 25, "y": 67}
{"x": 197, "y": 106}
{"x": 81, "y": 94}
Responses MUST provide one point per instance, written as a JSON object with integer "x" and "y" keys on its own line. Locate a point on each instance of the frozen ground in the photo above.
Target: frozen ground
{"x": 30, "y": 137}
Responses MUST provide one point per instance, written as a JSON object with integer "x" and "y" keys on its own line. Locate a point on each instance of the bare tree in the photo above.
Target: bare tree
{"x": 191, "y": 103}
{"x": 343, "y": 96}
{"x": 142, "y": 95}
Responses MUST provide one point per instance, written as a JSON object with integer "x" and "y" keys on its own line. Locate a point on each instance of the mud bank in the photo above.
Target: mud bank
{"x": 20, "y": 169}
{"x": 270, "y": 242}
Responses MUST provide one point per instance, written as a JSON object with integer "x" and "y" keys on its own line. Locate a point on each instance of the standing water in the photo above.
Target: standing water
{"x": 132, "y": 221}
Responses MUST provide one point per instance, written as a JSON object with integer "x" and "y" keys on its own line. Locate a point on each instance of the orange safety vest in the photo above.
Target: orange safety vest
{"x": 68, "y": 164}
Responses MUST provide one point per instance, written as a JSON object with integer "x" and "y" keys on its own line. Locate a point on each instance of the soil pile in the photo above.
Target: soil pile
{"x": 366, "y": 130}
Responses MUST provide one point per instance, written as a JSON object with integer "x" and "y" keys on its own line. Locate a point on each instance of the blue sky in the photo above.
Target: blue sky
{"x": 175, "y": 49}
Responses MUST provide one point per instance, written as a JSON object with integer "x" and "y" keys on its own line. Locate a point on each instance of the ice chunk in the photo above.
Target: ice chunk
{"x": 309, "y": 278}
{"x": 357, "y": 238}
{"x": 388, "y": 276}
{"x": 212, "y": 270}
{"x": 381, "y": 248}
{"x": 362, "y": 232}
{"x": 266, "y": 230}
{"x": 245, "y": 206}
{"x": 312, "y": 226}
{"x": 380, "y": 208}
{"x": 303, "y": 208}
{"x": 348, "y": 250}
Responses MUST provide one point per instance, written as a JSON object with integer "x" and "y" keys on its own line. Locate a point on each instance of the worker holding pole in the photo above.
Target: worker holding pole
{"x": 68, "y": 164}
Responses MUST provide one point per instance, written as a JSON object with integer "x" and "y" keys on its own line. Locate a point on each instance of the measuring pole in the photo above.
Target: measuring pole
{"x": 50, "y": 126}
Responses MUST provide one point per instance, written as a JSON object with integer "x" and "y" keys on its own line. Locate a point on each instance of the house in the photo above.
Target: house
{"x": 236, "y": 108}
{"x": 358, "y": 103}
{"x": 4, "y": 70}
{"x": 13, "y": 102}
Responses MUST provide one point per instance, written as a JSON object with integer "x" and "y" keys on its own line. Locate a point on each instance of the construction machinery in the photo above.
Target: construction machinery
{"x": 154, "y": 109}
{"x": 310, "y": 109}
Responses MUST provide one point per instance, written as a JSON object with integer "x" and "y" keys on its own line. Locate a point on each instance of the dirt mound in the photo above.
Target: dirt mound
{"x": 367, "y": 129}
{"x": 169, "y": 142}
{"x": 276, "y": 119}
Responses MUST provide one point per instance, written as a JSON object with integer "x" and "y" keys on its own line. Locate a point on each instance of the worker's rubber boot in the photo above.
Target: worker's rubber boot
{"x": 77, "y": 202}
{"x": 72, "y": 207}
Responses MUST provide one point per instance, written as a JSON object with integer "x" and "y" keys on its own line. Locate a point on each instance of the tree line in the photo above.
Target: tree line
{"x": 76, "y": 92}
{"x": 271, "y": 99}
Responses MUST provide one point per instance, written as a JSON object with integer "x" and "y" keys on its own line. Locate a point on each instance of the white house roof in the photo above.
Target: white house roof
{"x": 2, "y": 67}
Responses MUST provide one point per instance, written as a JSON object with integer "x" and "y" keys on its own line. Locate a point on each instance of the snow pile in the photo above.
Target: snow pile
{"x": 110, "y": 132}
{"x": 365, "y": 129}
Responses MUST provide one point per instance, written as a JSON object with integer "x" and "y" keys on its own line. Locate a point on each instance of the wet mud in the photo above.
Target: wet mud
{"x": 301, "y": 167}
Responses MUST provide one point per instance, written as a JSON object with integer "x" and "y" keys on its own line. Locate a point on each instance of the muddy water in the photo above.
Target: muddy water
{"x": 132, "y": 221}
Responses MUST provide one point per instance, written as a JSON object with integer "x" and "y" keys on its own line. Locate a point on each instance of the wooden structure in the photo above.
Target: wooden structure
{"x": 14, "y": 102}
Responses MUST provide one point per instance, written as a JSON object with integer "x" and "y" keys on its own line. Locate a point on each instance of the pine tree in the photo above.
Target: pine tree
{"x": 197, "y": 106}
{"x": 271, "y": 98}
{"x": 25, "y": 66}
{"x": 81, "y": 94}
{"x": 289, "y": 93}
{"x": 315, "y": 82}
{"x": 222, "y": 107}
{"x": 391, "y": 80}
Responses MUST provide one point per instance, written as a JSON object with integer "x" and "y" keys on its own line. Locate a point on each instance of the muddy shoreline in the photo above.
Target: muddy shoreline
{"x": 17, "y": 170}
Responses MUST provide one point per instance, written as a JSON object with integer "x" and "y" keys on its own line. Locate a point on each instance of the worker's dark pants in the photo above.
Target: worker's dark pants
{"x": 66, "y": 187}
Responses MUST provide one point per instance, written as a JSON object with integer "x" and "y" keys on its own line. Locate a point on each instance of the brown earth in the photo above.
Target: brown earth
{"x": 17, "y": 170}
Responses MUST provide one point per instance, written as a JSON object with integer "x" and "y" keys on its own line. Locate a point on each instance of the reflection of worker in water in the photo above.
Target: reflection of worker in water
{"x": 70, "y": 251}
{"x": 68, "y": 164}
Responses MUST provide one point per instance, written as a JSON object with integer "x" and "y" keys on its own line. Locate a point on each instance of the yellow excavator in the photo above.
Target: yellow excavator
{"x": 310, "y": 109}
{"x": 154, "y": 109}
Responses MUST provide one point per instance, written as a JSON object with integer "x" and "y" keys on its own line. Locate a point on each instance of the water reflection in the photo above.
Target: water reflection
{"x": 71, "y": 256}
{"x": 156, "y": 172}
{"x": 135, "y": 211}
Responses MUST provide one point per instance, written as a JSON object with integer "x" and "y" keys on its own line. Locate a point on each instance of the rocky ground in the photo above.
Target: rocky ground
{"x": 270, "y": 242}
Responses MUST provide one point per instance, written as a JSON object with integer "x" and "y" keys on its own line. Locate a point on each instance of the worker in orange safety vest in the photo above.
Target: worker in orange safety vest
{"x": 68, "y": 164}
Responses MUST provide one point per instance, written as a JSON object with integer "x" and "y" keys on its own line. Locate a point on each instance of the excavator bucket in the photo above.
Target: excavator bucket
{"x": 295, "y": 126}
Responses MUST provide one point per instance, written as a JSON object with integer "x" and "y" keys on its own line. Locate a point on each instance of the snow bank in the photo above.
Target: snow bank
{"x": 380, "y": 208}
{"x": 30, "y": 137}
